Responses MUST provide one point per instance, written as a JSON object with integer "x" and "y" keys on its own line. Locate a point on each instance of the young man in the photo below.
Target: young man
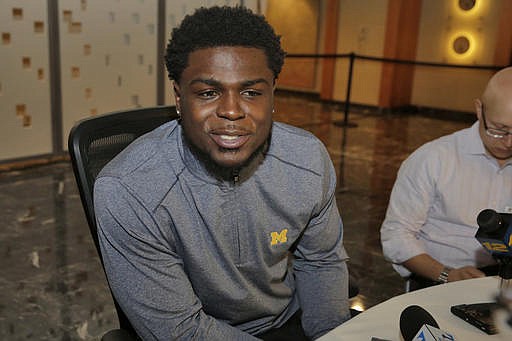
{"x": 441, "y": 188}
{"x": 224, "y": 225}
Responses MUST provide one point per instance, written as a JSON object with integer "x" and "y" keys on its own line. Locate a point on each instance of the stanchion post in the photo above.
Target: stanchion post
{"x": 349, "y": 87}
{"x": 345, "y": 123}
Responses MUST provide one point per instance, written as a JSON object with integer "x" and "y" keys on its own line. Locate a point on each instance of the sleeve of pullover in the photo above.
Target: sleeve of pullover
{"x": 146, "y": 274}
{"x": 320, "y": 266}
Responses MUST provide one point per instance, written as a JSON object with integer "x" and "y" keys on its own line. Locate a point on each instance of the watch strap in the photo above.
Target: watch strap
{"x": 443, "y": 276}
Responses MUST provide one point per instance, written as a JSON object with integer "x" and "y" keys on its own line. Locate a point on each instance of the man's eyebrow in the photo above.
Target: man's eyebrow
{"x": 255, "y": 81}
{"x": 216, "y": 83}
{"x": 207, "y": 81}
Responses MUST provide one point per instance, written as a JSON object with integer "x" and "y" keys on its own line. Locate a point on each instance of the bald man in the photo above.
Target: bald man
{"x": 429, "y": 230}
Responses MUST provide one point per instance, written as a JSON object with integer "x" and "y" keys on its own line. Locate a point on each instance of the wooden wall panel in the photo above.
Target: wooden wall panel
{"x": 297, "y": 22}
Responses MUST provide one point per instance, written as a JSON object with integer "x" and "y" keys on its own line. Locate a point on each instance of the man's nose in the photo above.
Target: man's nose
{"x": 229, "y": 107}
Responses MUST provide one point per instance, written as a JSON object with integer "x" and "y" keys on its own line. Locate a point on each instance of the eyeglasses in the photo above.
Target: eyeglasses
{"x": 494, "y": 132}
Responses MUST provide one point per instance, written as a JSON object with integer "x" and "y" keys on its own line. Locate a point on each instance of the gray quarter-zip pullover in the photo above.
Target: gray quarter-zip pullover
{"x": 193, "y": 257}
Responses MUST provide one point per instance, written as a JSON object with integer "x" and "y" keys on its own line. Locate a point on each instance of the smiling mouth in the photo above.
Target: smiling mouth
{"x": 231, "y": 140}
{"x": 229, "y": 137}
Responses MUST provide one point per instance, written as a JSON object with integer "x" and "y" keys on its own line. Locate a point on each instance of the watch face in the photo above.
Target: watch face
{"x": 466, "y": 5}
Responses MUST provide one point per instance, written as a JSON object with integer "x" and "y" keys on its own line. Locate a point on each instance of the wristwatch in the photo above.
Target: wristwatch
{"x": 443, "y": 276}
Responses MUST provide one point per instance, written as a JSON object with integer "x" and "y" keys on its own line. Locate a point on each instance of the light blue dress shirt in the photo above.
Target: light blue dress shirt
{"x": 438, "y": 193}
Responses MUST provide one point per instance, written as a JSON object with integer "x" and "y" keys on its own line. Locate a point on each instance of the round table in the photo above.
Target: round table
{"x": 382, "y": 321}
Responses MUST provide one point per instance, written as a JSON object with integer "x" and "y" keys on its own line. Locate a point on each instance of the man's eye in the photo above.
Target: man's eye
{"x": 251, "y": 93}
{"x": 208, "y": 94}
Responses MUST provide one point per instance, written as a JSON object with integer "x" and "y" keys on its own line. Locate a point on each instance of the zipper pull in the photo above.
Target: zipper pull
{"x": 236, "y": 176}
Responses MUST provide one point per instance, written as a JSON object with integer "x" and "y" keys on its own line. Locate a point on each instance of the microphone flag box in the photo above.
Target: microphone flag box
{"x": 429, "y": 333}
{"x": 495, "y": 232}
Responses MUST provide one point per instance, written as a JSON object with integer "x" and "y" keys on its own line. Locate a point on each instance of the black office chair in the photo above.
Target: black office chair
{"x": 92, "y": 143}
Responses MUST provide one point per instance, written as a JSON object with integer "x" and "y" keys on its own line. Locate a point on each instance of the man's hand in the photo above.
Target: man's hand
{"x": 465, "y": 272}
{"x": 428, "y": 267}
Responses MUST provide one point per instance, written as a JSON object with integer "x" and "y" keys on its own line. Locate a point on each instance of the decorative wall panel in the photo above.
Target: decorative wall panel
{"x": 108, "y": 57}
{"x": 107, "y": 60}
{"x": 441, "y": 22}
{"x": 299, "y": 31}
{"x": 25, "y": 115}
{"x": 362, "y": 27}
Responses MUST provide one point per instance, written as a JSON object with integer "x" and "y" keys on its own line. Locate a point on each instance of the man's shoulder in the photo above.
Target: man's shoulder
{"x": 443, "y": 146}
{"x": 297, "y": 147}
{"x": 147, "y": 164}
{"x": 443, "y": 154}
{"x": 147, "y": 149}
{"x": 287, "y": 138}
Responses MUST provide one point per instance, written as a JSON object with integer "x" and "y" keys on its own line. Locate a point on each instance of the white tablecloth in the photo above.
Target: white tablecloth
{"x": 383, "y": 320}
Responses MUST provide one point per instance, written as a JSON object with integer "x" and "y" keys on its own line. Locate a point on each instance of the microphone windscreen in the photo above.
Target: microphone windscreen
{"x": 489, "y": 220}
{"x": 412, "y": 319}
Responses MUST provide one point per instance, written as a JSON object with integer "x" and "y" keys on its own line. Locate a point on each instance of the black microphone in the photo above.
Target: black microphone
{"x": 495, "y": 232}
{"x": 412, "y": 319}
{"x": 417, "y": 324}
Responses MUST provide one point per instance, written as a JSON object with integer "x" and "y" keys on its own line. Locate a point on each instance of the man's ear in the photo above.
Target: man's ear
{"x": 478, "y": 108}
{"x": 177, "y": 95}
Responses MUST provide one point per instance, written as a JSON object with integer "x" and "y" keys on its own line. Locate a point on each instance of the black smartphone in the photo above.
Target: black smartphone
{"x": 479, "y": 315}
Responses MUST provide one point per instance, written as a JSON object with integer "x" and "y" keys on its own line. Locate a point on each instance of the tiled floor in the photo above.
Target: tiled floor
{"x": 53, "y": 287}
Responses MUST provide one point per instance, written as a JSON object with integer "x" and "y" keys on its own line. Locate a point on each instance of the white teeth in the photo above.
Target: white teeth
{"x": 228, "y": 137}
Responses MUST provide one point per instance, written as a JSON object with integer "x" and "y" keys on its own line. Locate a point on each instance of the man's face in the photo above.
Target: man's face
{"x": 496, "y": 117}
{"x": 225, "y": 96}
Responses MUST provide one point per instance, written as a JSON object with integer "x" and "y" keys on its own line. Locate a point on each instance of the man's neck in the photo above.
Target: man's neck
{"x": 228, "y": 173}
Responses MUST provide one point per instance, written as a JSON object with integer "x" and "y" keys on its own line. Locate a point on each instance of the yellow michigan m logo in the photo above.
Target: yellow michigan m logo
{"x": 278, "y": 237}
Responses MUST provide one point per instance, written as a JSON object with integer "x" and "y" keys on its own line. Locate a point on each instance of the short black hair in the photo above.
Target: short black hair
{"x": 222, "y": 26}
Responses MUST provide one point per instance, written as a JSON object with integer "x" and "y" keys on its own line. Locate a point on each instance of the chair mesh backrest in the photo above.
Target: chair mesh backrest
{"x": 101, "y": 151}
{"x": 95, "y": 141}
